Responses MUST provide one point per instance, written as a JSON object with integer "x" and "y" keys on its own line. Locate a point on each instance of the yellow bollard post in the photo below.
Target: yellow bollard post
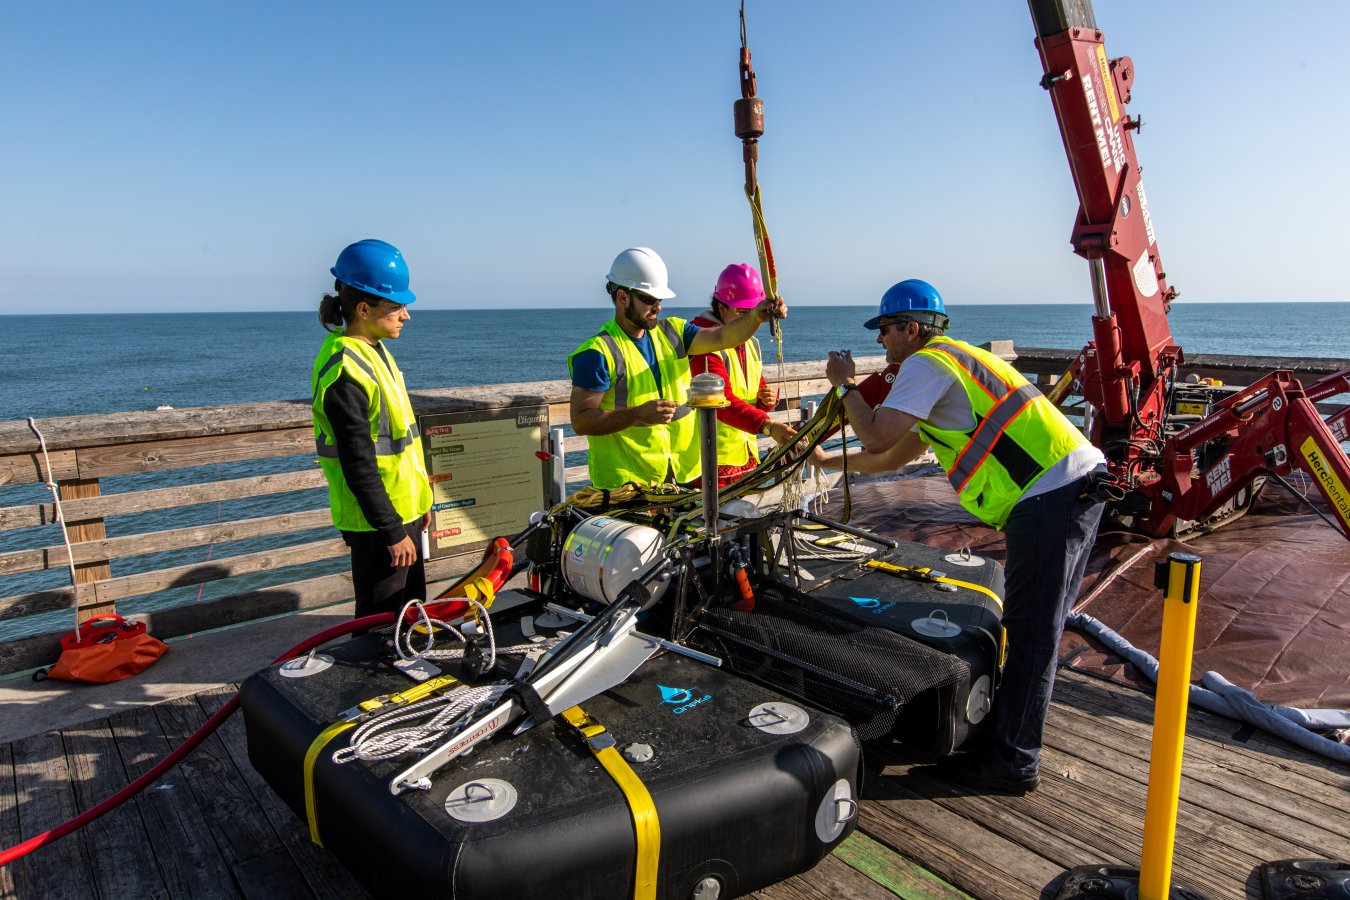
{"x": 1179, "y": 576}
{"x": 1169, "y": 723}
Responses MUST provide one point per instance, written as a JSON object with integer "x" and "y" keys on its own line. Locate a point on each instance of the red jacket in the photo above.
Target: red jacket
{"x": 739, "y": 414}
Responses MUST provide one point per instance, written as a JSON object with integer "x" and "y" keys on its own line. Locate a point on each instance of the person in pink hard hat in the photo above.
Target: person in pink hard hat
{"x": 739, "y": 425}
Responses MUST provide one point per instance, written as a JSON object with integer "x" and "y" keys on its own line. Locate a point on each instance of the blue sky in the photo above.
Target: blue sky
{"x": 212, "y": 156}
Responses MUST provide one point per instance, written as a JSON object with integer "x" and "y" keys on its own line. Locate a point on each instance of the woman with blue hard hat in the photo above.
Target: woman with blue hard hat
{"x": 367, "y": 438}
{"x": 1018, "y": 465}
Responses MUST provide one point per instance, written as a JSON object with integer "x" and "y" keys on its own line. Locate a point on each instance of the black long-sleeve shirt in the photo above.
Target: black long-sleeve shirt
{"x": 346, "y": 407}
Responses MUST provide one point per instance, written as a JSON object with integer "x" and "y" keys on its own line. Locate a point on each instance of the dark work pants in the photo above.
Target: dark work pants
{"x": 378, "y": 585}
{"x": 1049, "y": 538}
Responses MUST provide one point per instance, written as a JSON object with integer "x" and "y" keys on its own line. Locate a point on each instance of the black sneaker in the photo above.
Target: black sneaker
{"x": 974, "y": 771}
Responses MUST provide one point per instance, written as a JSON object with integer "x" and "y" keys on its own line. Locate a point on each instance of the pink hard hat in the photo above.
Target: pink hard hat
{"x": 739, "y": 287}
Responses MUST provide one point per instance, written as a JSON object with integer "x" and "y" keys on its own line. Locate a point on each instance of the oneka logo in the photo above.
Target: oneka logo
{"x": 682, "y": 698}
{"x": 872, "y": 604}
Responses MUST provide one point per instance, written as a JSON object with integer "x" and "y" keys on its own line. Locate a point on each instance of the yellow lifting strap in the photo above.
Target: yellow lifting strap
{"x": 640, "y": 804}
{"x": 921, "y": 573}
{"x": 350, "y": 719}
{"x": 311, "y": 757}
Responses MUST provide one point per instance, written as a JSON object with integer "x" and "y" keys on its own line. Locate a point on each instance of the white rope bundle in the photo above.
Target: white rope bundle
{"x": 374, "y": 740}
{"x": 383, "y": 738}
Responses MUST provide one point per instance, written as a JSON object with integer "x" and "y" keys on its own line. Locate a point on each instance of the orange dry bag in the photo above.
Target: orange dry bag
{"x": 106, "y": 648}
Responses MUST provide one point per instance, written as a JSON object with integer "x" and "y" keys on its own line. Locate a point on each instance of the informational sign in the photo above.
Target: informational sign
{"x": 486, "y": 474}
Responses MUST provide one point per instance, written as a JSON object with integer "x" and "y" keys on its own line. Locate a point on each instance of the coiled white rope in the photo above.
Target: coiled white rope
{"x": 404, "y": 639}
{"x": 60, "y": 519}
{"x": 374, "y": 740}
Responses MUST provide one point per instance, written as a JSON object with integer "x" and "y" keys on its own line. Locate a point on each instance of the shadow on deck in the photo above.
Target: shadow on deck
{"x": 212, "y": 828}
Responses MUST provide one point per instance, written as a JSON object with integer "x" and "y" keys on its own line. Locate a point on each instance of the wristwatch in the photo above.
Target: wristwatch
{"x": 843, "y": 390}
{"x": 766, "y": 427}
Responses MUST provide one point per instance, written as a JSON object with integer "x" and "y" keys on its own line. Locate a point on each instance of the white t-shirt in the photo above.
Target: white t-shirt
{"x": 929, "y": 391}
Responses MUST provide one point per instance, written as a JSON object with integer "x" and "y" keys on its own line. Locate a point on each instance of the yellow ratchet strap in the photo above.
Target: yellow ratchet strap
{"x": 645, "y": 823}
{"x": 349, "y": 719}
{"x": 921, "y": 573}
{"x": 311, "y": 757}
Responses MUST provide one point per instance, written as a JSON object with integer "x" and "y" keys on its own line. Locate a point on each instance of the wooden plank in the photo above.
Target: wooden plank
{"x": 893, "y": 871}
{"x": 1289, "y": 814}
{"x": 54, "y": 557}
{"x": 29, "y": 468}
{"x": 957, "y": 850}
{"x": 70, "y": 432}
{"x": 92, "y": 568}
{"x": 178, "y": 576}
{"x": 1014, "y": 818}
{"x": 153, "y": 456}
{"x": 11, "y": 876}
{"x": 1093, "y": 816}
{"x": 217, "y": 569}
{"x": 178, "y": 834}
{"x": 270, "y": 876}
{"x": 45, "y": 800}
{"x": 162, "y": 498}
{"x": 324, "y": 875}
{"x": 1264, "y": 755}
{"x": 115, "y": 843}
{"x": 831, "y": 879}
{"x": 240, "y": 829}
{"x": 1216, "y": 830}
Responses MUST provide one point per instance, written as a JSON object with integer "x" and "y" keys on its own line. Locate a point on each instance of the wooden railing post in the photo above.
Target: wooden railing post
{"x": 87, "y": 530}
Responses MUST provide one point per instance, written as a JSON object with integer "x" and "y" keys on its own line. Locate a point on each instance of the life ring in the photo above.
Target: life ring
{"x": 494, "y": 569}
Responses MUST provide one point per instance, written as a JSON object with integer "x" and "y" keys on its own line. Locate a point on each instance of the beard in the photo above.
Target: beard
{"x": 636, "y": 319}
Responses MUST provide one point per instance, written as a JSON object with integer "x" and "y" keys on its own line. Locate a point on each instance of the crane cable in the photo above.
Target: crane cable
{"x": 749, "y": 118}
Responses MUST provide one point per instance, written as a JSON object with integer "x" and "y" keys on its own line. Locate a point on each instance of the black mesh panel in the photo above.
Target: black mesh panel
{"x": 864, "y": 674}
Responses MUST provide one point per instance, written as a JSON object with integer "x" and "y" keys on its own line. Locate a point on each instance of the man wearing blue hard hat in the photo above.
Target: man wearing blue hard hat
{"x": 365, "y": 430}
{"x": 1017, "y": 464}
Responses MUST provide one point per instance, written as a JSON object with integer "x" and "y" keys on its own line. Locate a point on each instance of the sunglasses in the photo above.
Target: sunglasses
{"x": 649, "y": 300}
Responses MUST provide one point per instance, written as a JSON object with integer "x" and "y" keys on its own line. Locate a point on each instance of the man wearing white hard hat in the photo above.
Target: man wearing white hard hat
{"x": 629, "y": 381}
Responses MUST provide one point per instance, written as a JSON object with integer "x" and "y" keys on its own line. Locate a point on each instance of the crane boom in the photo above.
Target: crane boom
{"x": 1180, "y": 471}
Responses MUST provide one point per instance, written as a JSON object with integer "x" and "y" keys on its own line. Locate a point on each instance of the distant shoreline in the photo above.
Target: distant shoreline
{"x": 695, "y": 307}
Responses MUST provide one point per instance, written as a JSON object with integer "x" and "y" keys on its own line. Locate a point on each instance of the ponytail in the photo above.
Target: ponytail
{"x": 336, "y": 310}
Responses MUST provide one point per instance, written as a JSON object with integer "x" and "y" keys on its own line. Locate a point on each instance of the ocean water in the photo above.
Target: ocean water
{"x": 78, "y": 365}
{"x": 73, "y": 365}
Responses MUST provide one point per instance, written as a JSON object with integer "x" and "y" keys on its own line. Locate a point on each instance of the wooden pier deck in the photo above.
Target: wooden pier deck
{"x": 211, "y": 828}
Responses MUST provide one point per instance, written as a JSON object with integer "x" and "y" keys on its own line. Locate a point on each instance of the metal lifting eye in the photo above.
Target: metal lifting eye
{"x": 491, "y": 794}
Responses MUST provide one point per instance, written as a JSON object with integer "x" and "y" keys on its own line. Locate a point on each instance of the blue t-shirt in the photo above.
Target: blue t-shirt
{"x": 590, "y": 371}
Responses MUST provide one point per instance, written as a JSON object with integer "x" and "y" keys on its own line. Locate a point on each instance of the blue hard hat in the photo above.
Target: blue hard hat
{"x": 376, "y": 268}
{"x": 914, "y": 299}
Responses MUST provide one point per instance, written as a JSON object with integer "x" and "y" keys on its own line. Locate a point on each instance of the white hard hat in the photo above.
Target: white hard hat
{"x": 641, "y": 269}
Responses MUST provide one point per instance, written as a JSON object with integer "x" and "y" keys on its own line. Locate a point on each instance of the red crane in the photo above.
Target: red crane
{"x": 1187, "y": 453}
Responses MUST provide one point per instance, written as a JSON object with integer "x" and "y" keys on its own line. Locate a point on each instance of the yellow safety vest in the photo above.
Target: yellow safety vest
{"x": 643, "y": 453}
{"x": 736, "y": 447}
{"x": 393, "y": 430}
{"x": 1018, "y": 435}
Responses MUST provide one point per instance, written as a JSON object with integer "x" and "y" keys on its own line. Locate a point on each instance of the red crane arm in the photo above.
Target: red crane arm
{"x": 1128, "y": 374}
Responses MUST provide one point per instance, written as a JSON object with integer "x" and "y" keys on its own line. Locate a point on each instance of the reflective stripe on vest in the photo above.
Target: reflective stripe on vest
{"x": 644, "y": 453}
{"x": 398, "y": 458}
{"x": 736, "y": 447}
{"x": 1014, "y": 425}
{"x": 385, "y": 442}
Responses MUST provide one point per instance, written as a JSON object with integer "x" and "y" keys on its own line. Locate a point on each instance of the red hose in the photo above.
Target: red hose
{"x": 498, "y": 574}
{"x": 168, "y": 762}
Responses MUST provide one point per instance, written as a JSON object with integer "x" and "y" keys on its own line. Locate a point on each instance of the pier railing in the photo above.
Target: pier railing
{"x": 89, "y": 452}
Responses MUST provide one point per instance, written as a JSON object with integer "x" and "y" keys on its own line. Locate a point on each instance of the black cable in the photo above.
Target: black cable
{"x": 1293, "y": 490}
